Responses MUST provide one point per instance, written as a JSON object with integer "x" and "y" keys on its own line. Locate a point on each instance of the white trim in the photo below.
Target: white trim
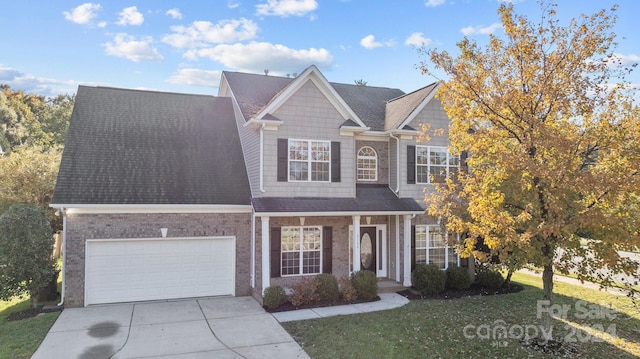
{"x": 382, "y": 250}
{"x": 265, "y": 245}
{"x": 352, "y": 130}
{"x": 309, "y": 160}
{"x": 397, "y": 248}
{"x": 420, "y": 107}
{"x": 269, "y": 125}
{"x": 153, "y": 208}
{"x": 428, "y": 164}
{"x": 380, "y": 136}
{"x": 374, "y": 158}
{"x": 311, "y": 74}
{"x": 406, "y": 238}
{"x": 343, "y": 213}
{"x": 301, "y": 251}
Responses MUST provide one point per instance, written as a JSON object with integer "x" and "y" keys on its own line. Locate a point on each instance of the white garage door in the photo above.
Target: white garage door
{"x": 151, "y": 269}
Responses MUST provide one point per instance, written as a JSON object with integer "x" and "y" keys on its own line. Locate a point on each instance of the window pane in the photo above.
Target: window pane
{"x": 422, "y": 155}
{"x": 311, "y": 239}
{"x": 298, "y": 150}
{"x": 290, "y": 263}
{"x": 438, "y": 157}
{"x": 436, "y": 239}
{"x": 320, "y": 150}
{"x": 320, "y": 171}
{"x": 298, "y": 171}
{"x": 436, "y": 256}
{"x": 311, "y": 262}
{"x": 290, "y": 239}
{"x": 453, "y": 257}
{"x": 438, "y": 174}
{"x": 422, "y": 174}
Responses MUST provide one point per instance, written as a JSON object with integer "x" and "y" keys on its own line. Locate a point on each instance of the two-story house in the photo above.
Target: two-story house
{"x": 170, "y": 195}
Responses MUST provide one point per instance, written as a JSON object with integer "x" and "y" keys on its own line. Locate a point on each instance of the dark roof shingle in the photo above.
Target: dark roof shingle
{"x": 143, "y": 147}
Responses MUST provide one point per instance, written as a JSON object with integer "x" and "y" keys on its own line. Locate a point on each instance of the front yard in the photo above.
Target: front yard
{"x": 20, "y": 338}
{"x": 597, "y": 324}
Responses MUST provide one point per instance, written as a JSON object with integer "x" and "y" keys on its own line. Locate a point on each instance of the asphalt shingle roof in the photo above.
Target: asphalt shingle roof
{"x": 142, "y": 147}
{"x": 399, "y": 109}
{"x": 369, "y": 198}
{"x": 253, "y": 92}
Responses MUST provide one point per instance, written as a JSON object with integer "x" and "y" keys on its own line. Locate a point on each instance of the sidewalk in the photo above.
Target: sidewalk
{"x": 574, "y": 281}
{"x": 387, "y": 301}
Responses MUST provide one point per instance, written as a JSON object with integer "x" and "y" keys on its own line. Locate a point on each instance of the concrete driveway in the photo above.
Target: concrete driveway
{"x": 221, "y": 327}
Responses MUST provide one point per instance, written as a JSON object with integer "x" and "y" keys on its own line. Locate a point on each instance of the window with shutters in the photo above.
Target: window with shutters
{"x": 432, "y": 247}
{"x": 301, "y": 250}
{"x": 367, "y": 164}
{"x": 434, "y": 164}
{"x": 309, "y": 161}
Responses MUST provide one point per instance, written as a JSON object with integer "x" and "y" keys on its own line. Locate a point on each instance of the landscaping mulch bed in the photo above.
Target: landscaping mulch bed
{"x": 474, "y": 290}
{"x": 288, "y": 306}
{"x": 31, "y": 312}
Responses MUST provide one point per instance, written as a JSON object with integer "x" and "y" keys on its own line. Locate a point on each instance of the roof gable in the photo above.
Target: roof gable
{"x": 402, "y": 110}
{"x": 143, "y": 147}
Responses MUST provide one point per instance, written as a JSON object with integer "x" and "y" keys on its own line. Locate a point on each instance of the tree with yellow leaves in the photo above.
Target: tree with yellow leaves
{"x": 553, "y": 140}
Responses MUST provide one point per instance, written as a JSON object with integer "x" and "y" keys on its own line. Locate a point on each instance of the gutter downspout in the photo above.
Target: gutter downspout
{"x": 253, "y": 250}
{"x": 397, "y": 162}
{"x": 262, "y": 159}
{"x": 64, "y": 253}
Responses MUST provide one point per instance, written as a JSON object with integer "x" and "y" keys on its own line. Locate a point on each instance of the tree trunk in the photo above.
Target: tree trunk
{"x": 34, "y": 301}
{"x": 507, "y": 281}
{"x": 547, "y": 288}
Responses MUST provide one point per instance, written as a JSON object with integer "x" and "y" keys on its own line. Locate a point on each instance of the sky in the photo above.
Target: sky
{"x": 51, "y": 47}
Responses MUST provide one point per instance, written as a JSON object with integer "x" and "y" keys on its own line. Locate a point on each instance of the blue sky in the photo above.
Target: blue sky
{"x": 50, "y": 47}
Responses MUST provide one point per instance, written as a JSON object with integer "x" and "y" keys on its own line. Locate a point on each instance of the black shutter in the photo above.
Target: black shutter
{"x": 411, "y": 164}
{"x": 413, "y": 248}
{"x": 275, "y": 252}
{"x": 327, "y": 252}
{"x": 283, "y": 159}
{"x": 335, "y": 161}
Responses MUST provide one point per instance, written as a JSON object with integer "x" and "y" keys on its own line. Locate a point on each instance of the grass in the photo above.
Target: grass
{"x": 21, "y": 338}
{"x": 436, "y": 328}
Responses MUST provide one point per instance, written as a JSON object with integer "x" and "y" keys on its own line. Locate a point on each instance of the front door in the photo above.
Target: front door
{"x": 368, "y": 248}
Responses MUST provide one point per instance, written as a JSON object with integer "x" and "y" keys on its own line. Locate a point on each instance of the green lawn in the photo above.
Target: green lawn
{"x": 19, "y": 339}
{"x": 464, "y": 327}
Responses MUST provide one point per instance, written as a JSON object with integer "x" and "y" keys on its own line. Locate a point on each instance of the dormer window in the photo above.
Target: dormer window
{"x": 367, "y": 164}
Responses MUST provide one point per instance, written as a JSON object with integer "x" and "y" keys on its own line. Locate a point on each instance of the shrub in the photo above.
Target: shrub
{"x": 26, "y": 245}
{"x": 365, "y": 284}
{"x": 457, "y": 278}
{"x": 305, "y": 292}
{"x": 274, "y": 297}
{"x": 347, "y": 291}
{"x": 429, "y": 279}
{"x": 327, "y": 288}
{"x": 489, "y": 278}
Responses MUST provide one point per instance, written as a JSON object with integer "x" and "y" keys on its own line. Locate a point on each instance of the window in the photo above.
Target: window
{"x": 309, "y": 160}
{"x": 434, "y": 164}
{"x": 367, "y": 164}
{"x": 301, "y": 250}
{"x": 432, "y": 247}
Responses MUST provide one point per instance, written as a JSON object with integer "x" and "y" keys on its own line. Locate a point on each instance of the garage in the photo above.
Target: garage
{"x": 127, "y": 270}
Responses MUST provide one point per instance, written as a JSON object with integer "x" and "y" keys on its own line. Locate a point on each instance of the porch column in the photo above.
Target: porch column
{"x": 406, "y": 262}
{"x": 356, "y": 243}
{"x": 266, "y": 263}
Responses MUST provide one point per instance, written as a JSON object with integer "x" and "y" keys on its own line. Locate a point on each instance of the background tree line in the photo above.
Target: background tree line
{"x": 32, "y": 133}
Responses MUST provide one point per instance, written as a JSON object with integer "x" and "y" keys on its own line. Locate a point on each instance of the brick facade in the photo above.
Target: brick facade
{"x": 81, "y": 227}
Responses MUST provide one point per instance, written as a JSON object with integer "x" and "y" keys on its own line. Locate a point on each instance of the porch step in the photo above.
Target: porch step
{"x": 389, "y": 286}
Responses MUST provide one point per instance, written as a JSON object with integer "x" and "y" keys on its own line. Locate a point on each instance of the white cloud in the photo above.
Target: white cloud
{"x": 369, "y": 42}
{"x": 82, "y": 14}
{"x": 257, "y": 56}
{"x": 129, "y": 47}
{"x": 232, "y": 4}
{"x": 130, "y": 16}
{"x": 481, "y": 30}
{"x": 433, "y": 3}
{"x": 28, "y": 83}
{"x": 625, "y": 60}
{"x": 202, "y": 33}
{"x": 196, "y": 77}
{"x": 174, "y": 13}
{"x": 286, "y": 8}
{"x": 417, "y": 39}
